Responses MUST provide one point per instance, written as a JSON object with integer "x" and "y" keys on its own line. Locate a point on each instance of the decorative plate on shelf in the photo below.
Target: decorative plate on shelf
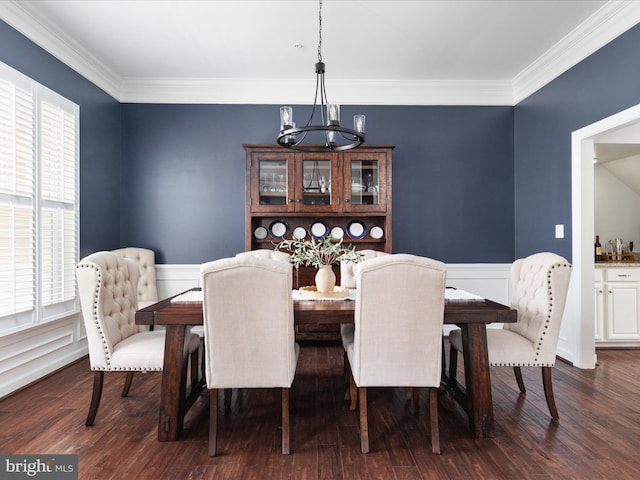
{"x": 279, "y": 229}
{"x": 376, "y": 232}
{"x": 356, "y": 229}
{"x": 337, "y": 233}
{"x": 318, "y": 230}
{"x": 260, "y": 233}
{"x": 299, "y": 233}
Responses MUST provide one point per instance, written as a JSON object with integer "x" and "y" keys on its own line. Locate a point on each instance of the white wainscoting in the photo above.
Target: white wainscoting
{"x": 30, "y": 354}
{"x": 487, "y": 280}
{"x": 33, "y": 353}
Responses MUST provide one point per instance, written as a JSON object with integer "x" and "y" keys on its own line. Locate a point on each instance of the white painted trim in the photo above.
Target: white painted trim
{"x": 278, "y": 92}
{"x": 174, "y": 279}
{"x": 33, "y": 353}
{"x": 579, "y": 314}
{"x": 57, "y": 43}
{"x": 613, "y": 19}
{"x": 610, "y": 21}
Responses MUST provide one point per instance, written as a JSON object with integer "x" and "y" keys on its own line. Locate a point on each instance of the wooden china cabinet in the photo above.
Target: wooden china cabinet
{"x": 304, "y": 195}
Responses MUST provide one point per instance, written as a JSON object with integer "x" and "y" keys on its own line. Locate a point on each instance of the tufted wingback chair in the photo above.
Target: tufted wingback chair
{"x": 348, "y": 269}
{"x": 107, "y": 289}
{"x": 539, "y": 286}
{"x": 397, "y": 337}
{"x": 248, "y": 330}
{"x": 146, "y": 261}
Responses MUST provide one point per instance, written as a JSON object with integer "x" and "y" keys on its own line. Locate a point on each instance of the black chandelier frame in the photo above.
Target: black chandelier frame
{"x": 335, "y": 135}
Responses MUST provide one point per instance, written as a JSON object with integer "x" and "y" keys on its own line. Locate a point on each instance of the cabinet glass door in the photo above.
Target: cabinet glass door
{"x": 316, "y": 179}
{"x": 316, "y": 182}
{"x": 365, "y": 182}
{"x": 366, "y": 177}
{"x": 271, "y": 182}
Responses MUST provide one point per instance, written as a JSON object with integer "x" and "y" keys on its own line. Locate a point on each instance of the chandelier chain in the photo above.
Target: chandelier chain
{"x": 320, "y": 32}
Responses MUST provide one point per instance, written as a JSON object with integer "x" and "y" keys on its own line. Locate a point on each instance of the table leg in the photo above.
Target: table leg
{"x": 477, "y": 379}
{"x": 174, "y": 383}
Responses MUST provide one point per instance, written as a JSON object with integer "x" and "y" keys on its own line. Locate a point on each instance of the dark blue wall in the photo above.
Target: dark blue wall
{"x": 601, "y": 85}
{"x": 183, "y": 184}
{"x": 100, "y": 143}
{"x": 470, "y": 184}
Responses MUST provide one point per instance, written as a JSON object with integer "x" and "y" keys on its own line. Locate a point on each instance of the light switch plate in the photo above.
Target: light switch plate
{"x": 559, "y": 231}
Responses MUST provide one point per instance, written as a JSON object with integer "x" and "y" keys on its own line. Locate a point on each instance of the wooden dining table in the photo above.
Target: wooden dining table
{"x": 472, "y": 316}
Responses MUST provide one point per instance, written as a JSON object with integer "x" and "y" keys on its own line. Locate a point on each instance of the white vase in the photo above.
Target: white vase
{"x": 325, "y": 279}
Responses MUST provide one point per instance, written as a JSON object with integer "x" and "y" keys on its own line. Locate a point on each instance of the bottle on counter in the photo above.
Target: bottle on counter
{"x": 598, "y": 249}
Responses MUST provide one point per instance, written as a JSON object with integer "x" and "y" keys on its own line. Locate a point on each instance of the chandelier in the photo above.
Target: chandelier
{"x": 328, "y": 134}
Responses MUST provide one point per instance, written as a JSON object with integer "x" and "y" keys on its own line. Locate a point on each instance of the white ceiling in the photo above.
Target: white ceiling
{"x": 619, "y": 152}
{"x": 401, "y": 52}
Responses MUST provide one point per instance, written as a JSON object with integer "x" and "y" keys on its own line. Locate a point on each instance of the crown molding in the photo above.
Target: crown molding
{"x": 277, "y": 92}
{"x": 610, "y": 21}
{"x": 53, "y": 40}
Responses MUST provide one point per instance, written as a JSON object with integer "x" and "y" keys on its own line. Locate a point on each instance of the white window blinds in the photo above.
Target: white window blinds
{"x": 38, "y": 202}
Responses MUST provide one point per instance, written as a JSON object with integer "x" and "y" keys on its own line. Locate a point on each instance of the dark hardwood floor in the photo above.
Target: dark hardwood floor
{"x": 598, "y": 436}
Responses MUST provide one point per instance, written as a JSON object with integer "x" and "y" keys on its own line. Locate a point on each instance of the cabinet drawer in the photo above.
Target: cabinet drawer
{"x": 623, "y": 274}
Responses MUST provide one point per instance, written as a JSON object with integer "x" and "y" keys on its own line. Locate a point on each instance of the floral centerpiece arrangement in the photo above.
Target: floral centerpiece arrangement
{"x": 320, "y": 254}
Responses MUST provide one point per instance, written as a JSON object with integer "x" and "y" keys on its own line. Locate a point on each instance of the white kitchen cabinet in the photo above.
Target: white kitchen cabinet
{"x": 617, "y": 307}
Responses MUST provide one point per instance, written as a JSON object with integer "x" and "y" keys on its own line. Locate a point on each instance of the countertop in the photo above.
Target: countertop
{"x": 617, "y": 264}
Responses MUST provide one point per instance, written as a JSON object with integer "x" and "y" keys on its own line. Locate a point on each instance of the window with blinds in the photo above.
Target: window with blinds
{"x": 39, "y": 138}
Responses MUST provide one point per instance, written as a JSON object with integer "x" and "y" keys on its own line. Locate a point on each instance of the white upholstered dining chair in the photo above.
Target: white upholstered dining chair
{"x": 248, "y": 331}
{"x": 107, "y": 289}
{"x": 539, "y": 286}
{"x": 396, "y": 340}
{"x": 145, "y": 259}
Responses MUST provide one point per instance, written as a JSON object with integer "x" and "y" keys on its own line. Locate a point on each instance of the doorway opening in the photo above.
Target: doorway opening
{"x": 581, "y": 300}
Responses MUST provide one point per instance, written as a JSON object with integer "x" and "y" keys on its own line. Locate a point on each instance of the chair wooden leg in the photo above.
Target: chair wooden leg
{"x": 364, "y": 424}
{"x": 518, "y": 373}
{"x": 213, "y": 421}
{"x": 195, "y": 368}
{"x": 353, "y": 393}
{"x": 98, "y": 380}
{"x": 416, "y": 398}
{"x": 285, "y": 422}
{"x": 453, "y": 364}
{"x": 347, "y": 375}
{"x": 433, "y": 414}
{"x": 227, "y": 399}
{"x": 408, "y": 394}
{"x": 548, "y": 392}
{"x": 127, "y": 384}
{"x": 345, "y": 368}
